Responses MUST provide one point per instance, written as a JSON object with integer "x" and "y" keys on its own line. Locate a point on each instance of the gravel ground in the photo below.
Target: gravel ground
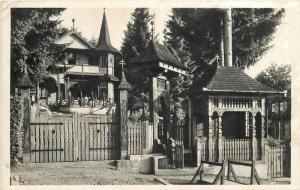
{"x": 94, "y": 173}
{"x": 76, "y": 173}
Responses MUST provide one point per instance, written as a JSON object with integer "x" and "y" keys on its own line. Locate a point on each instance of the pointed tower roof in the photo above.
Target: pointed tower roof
{"x": 23, "y": 81}
{"x": 104, "y": 39}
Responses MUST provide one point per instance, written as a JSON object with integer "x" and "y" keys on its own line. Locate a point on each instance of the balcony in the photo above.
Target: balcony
{"x": 83, "y": 69}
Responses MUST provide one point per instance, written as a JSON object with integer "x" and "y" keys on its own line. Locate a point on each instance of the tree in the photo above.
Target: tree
{"x": 253, "y": 30}
{"x": 278, "y": 77}
{"x": 135, "y": 42}
{"x": 137, "y": 34}
{"x": 196, "y": 35}
{"x": 33, "y": 33}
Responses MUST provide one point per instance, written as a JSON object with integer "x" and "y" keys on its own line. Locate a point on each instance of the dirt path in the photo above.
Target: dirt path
{"x": 76, "y": 173}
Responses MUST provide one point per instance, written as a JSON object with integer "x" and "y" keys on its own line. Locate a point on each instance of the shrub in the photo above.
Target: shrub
{"x": 16, "y": 129}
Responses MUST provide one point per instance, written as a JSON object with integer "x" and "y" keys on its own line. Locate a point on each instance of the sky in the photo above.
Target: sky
{"x": 88, "y": 21}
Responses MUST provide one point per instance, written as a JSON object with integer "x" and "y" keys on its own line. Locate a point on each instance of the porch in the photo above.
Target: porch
{"x": 233, "y": 135}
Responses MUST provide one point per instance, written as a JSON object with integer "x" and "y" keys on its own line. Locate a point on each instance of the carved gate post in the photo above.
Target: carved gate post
{"x": 123, "y": 88}
{"x": 24, "y": 84}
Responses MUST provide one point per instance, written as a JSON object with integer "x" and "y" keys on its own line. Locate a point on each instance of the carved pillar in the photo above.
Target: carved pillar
{"x": 253, "y": 139}
{"x": 123, "y": 88}
{"x": 58, "y": 91}
{"x": 210, "y": 136}
{"x": 67, "y": 89}
{"x": 220, "y": 140}
{"x": 262, "y": 137}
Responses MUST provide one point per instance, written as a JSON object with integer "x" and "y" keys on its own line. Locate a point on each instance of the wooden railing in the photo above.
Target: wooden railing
{"x": 237, "y": 102}
{"x": 236, "y": 149}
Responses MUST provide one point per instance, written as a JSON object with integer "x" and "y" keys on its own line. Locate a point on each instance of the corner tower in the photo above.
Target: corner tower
{"x": 106, "y": 61}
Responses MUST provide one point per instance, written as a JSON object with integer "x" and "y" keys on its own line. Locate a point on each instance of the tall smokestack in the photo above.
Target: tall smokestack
{"x": 228, "y": 38}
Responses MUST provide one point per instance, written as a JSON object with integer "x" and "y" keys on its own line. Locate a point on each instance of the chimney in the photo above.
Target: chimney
{"x": 228, "y": 38}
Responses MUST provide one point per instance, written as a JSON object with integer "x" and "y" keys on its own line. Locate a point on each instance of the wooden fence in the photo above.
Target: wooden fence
{"x": 236, "y": 149}
{"x": 74, "y": 138}
{"x": 136, "y": 137}
{"x": 278, "y": 157}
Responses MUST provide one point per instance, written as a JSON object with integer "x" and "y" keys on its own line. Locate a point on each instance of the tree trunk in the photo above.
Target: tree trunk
{"x": 228, "y": 38}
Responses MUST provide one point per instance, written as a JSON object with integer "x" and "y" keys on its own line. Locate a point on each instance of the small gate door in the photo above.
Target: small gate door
{"x": 97, "y": 137}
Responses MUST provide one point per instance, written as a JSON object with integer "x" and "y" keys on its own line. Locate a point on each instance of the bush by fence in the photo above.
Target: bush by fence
{"x": 16, "y": 128}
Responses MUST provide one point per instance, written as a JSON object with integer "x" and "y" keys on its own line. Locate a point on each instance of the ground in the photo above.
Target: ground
{"x": 92, "y": 173}
{"x": 76, "y": 173}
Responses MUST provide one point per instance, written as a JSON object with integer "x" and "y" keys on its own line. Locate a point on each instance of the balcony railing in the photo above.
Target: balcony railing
{"x": 83, "y": 69}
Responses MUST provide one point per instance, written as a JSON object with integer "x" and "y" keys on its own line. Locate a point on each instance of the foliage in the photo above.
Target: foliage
{"x": 195, "y": 35}
{"x": 135, "y": 42}
{"x": 278, "y": 77}
{"x": 16, "y": 128}
{"x": 253, "y": 30}
{"x": 137, "y": 34}
{"x": 33, "y": 33}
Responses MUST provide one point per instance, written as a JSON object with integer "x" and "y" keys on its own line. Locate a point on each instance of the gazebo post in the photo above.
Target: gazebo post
{"x": 254, "y": 143}
{"x": 220, "y": 140}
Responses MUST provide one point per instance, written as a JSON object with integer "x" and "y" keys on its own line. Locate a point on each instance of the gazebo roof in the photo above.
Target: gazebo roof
{"x": 156, "y": 52}
{"x": 232, "y": 79}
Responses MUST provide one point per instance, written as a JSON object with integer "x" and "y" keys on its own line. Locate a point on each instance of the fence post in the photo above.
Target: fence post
{"x": 123, "y": 88}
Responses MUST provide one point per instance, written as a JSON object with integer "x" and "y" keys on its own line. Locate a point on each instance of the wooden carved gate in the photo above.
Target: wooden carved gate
{"x": 74, "y": 138}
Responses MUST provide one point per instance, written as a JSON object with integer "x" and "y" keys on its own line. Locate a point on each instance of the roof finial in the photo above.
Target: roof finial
{"x": 122, "y": 62}
{"x": 73, "y": 21}
{"x": 104, "y": 10}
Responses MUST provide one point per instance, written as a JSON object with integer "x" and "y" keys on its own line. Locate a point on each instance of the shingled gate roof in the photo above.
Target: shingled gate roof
{"x": 157, "y": 52}
{"x": 236, "y": 80}
{"x": 104, "y": 39}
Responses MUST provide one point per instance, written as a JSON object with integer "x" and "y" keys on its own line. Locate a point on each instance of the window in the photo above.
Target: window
{"x": 103, "y": 60}
{"x": 72, "y": 59}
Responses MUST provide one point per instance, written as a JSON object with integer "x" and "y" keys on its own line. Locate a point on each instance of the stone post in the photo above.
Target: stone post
{"x": 254, "y": 143}
{"x": 123, "y": 88}
{"x": 220, "y": 140}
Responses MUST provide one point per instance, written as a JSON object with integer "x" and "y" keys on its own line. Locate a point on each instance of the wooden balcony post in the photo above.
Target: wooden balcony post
{"x": 254, "y": 143}
{"x": 220, "y": 140}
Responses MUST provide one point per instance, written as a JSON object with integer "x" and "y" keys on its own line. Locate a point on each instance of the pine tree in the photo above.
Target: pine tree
{"x": 137, "y": 34}
{"x": 135, "y": 42}
{"x": 33, "y": 33}
{"x": 196, "y": 34}
{"x": 253, "y": 30}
